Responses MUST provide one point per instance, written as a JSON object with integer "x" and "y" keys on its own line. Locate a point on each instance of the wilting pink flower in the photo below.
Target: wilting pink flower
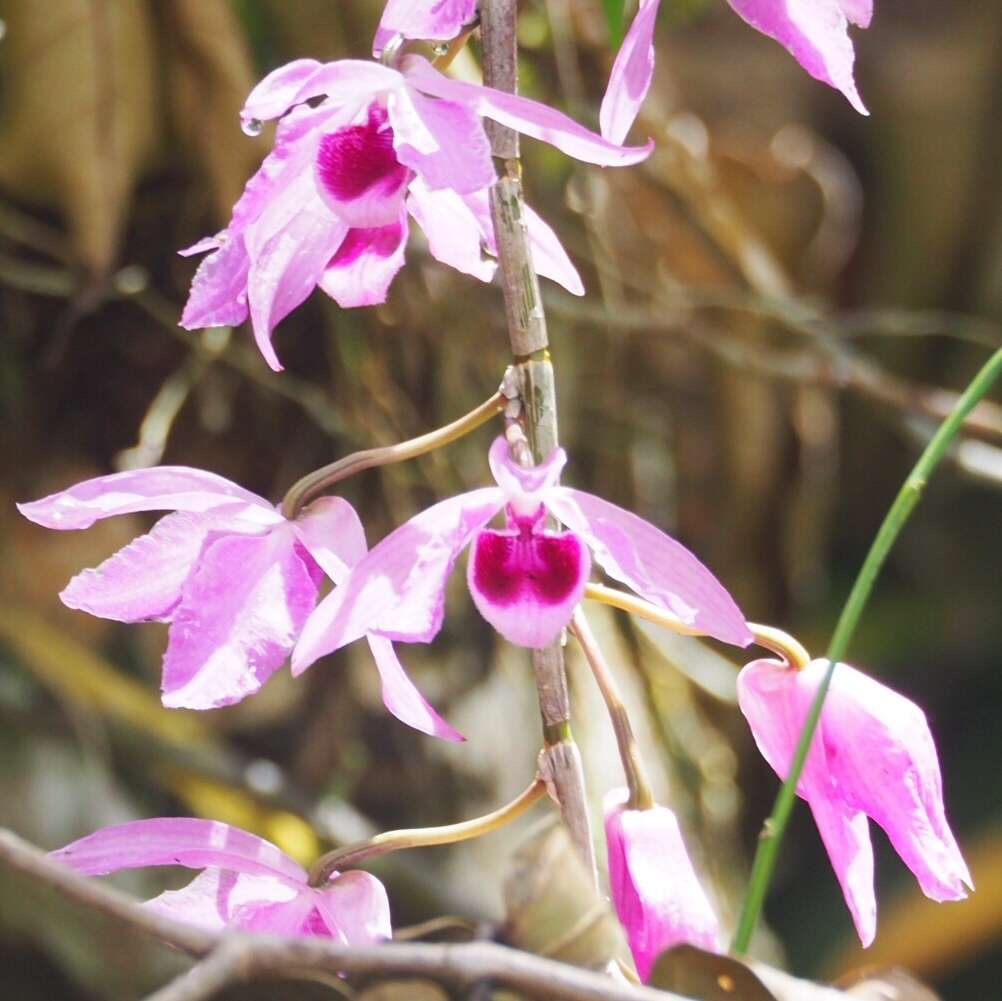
{"x": 872, "y": 756}
{"x": 234, "y": 578}
{"x": 329, "y": 205}
{"x": 246, "y": 882}
{"x": 525, "y": 579}
{"x": 654, "y": 887}
{"x": 814, "y": 31}
{"x": 436, "y": 20}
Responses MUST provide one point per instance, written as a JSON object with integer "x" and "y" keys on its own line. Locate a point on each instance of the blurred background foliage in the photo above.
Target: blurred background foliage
{"x": 781, "y": 302}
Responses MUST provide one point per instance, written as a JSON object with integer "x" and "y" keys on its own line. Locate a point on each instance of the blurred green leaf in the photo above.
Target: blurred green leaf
{"x": 615, "y": 18}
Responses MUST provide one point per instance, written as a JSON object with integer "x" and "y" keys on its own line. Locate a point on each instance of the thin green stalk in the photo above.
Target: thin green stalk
{"x": 905, "y": 502}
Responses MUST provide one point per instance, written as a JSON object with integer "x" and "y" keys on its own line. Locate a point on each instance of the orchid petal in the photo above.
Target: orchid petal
{"x": 401, "y": 696}
{"x": 460, "y": 154}
{"x": 657, "y": 567}
{"x": 398, "y": 590}
{"x": 454, "y": 232}
{"x": 158, "y": 488}
{"x": 332, "y": 533}
{"x": 631, "y": 75}
{"x": 240, "y": 613}
{"x": 185, "y": 841}
{"x": 143, "y": 580}
{"x": 355, "y": 908}
{"x": 548, "y": 255}
{"x": 526, "y": 116}
{"x": 816, "y": 33}
{"x": 362, "y": 270}
{"x": 440, "y": 20}
{"x": 218, "y": 296}
{"x": 655, "y": 890}
{"x": 859, "y": 12}
{"x": 527, "y": 583}
{"x": 276, "y": 93}
{"x": 516, "y": 480}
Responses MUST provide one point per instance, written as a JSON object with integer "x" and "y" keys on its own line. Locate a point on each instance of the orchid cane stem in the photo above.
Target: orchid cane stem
{"x": 641, "y": 797}
{"x": 423, "y": 837}
{"x": 791, "y": 650}
{"x": 320, "y": 480}
{"x": 534, "y": 371}
{"x": 908, "y": 497}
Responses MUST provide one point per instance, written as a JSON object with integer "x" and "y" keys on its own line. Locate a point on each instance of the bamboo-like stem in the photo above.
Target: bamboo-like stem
{"x": 641, "y": 797}
{"x": 790, "y": 649}
{"x": 313, "y": 484}
{"x": 529, "y": 346}
{"x": 424, "y": 837}
{"x": 908, "y": 497}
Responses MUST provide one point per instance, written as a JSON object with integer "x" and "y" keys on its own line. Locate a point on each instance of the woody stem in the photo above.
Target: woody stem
{"x": 530, "y": 347}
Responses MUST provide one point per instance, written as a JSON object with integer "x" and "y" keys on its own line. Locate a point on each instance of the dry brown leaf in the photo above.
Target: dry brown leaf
{"x": 79, "y": 115}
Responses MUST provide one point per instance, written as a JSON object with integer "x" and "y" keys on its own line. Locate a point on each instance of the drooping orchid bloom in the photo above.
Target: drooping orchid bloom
{"x": 235, "y": 579}
{"x": 329, "y": 205}
{"x": 655, "y": 890}
{"x": 525, "y": 579}
{"x": 814, "y": 31}
{"x": 872, "y": 756}
{"x": 246, "y": 883}
{"x": 433, "y": 20}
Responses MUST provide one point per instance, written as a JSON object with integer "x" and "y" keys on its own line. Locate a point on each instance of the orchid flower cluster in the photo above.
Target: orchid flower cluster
{"x": 360, "y": 148}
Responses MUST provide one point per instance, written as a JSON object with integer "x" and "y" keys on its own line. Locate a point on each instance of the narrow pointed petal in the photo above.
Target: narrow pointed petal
{"x": 186, "y": 841}
{"x": 454, "y": 231}
{"x": 355, "y": 908}
{"x": 631, "y": 75}
{"x": 143, "y": 580}
{"x": 401, "y": 696}
{"x": 240, "y": 613}
{"x": 332, "y": 533}
{"x": 816, "y": 33}
{"x": 528, "y": 117}
{"x": 440, "y": 20}
{"x": 362, "y": 270}
{"x": 882, "y": 757}
{"x": 460, "y": 156}
{"x": 398, "y": 590}
{"x": 657, "y": 567}
{"x": 548, "y": 255}
{"x": 517, "y": 480}
{"x": 158, "y": 488}
{"x": 655, "y": 890}
{"x": 526, "y": 584}
{"x": 218, "y": 296}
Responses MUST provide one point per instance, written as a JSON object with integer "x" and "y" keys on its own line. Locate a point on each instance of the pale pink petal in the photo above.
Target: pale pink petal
{"x": 455, "y": 235}
{"x": 276, "y": 93}
{"x": 548, "y": 255}
{"x": 355, "y": 908}
{"x": 516, "y": 480}
{"x": 528, "y": 117}
{"x": 332, "y": 533}
{"x": 461, "y": 156}
{"x": 401, "y": 696}
{"x": 143, "y": 580}
{"x": 398, "y": 590}
{"x": 438, "y": 20}
{"x": 218, "y": 296}
{"x": 859, "y": 12}
{"x": 362, "y": 270}
{"x": 158, "y": 488}
{"x": 816, "y": 33}
{"x": 186, "y": 841}
{"x": 657, "y": 567}
{"x": 883, "y": 759}
{"x": 526, "y": 582}
{"x": 631, "y": 75}
{"x": 654, "y": 888}
{"x": 357, "y": 172}
{"x": 240, "y": 613}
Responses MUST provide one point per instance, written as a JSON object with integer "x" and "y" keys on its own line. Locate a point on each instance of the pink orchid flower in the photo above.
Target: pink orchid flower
{"x": 655, "y": 890}
{"x": 234, "y": 578}
{"x": 872, "y": 756}
{"x": 246, "y": 883}
{"x": 814, "y": 31}
{"x": 329, "y": 205}
{"x": 434, "y": 20}
{"x": 525, "y": 579}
